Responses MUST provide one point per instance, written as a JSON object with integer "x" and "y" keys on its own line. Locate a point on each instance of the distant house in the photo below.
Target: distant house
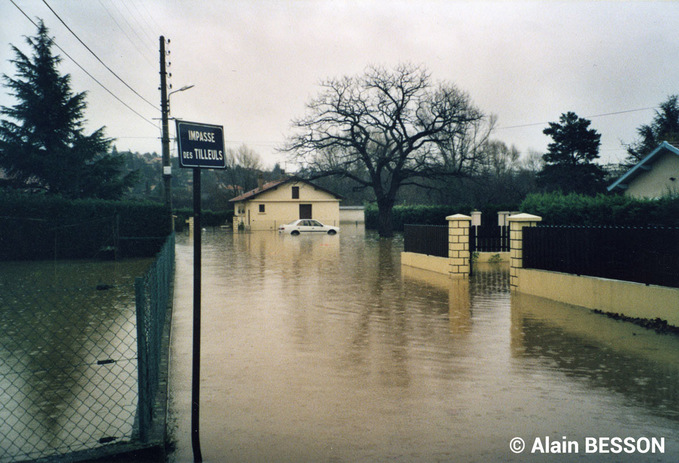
{"x": 283, "y": 201}
{"x": 655, "y": 176}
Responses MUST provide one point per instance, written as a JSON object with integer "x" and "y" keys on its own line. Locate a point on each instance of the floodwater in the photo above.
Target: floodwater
{"x": 68, "y": 368}
{"x": 325, "y": 349}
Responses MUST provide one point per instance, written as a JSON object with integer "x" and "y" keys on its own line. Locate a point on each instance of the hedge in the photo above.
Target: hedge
{"x": 208, "y": 218}
{"x": 611, "y": 210}
{"x": 38, "y": 227}
{"x": 430, "y": 215}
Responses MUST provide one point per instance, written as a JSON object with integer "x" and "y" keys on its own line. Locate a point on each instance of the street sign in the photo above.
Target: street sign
{"x": 200, "y": 145}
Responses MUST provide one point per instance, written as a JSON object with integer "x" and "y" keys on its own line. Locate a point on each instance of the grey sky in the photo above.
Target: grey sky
{"x": 255, "y": 64}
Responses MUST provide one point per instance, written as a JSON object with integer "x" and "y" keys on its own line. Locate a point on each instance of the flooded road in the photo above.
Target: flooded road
{"x": 324, "y": 348}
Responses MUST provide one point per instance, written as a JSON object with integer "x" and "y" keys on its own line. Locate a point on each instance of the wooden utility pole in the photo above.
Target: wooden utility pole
{"x": 165, "y": 137}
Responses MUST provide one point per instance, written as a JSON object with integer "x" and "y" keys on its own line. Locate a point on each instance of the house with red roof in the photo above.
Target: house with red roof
{"x": 283, "y": 201}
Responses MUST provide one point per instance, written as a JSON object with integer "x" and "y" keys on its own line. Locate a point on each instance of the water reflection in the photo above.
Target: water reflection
{"x": 326, "y": 349}
{"x": 607, "y": 355}
{"x": 55, "y": 328}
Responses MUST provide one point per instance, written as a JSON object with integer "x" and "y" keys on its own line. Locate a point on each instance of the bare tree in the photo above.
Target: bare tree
{"x": 388, "y": 129}
{"x": 243, "y": 165}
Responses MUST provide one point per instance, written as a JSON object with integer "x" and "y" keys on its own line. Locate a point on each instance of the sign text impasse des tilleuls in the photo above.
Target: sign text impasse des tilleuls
{"x": 200, "y": 145}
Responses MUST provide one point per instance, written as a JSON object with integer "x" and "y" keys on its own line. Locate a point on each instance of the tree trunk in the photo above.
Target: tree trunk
{"x": 385, "y": 222}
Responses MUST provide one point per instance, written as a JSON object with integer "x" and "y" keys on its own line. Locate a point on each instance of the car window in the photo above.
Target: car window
{"x": 315, "y": 223}
{"x": 304, "y": 223}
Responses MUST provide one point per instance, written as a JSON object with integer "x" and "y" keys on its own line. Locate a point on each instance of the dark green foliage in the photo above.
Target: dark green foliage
{"x": 665, "y": 127}
{"x": 569, "y": 160}
{"x": 432, "y": 215}
{"x": 43, "y": 144}
{"x": 208, "y": 218}
{"x": 574, "y": 209}
{"x": 37, "y": 227}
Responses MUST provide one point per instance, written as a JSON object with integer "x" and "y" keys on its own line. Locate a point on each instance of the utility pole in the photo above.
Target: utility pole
{"x": 165, "y": 138}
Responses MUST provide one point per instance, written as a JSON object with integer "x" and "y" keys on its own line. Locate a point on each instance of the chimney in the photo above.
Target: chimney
{"x": 260, "y": 181}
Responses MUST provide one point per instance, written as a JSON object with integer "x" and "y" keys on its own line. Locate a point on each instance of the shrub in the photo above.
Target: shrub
{"x": 617, "y": 210}
{"x": 430, "y": 215}
{"x": 208, "y": 218}
{"x": 36, "y": 226}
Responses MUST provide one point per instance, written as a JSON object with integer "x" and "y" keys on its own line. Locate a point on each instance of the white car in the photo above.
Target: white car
{"x": 307, "y": 226}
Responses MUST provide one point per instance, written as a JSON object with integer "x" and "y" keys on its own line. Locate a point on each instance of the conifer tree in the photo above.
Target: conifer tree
{"x": 568, "y": 163}
{"x": 664, "y": 127}
{"x": 43, "y": 144}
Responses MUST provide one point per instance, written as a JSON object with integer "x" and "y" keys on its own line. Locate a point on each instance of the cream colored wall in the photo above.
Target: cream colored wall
{"x": 352, "y": 214}
{"x": 426, "y": 262}
{"x": 442, "y": 264}
{"x": 626, "y": 298}
{"x": 280, "y": 208}
{"x": 656, "y": 182}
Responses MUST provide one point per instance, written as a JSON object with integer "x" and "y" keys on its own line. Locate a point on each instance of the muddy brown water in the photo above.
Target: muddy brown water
{"x": 323, "y": 348}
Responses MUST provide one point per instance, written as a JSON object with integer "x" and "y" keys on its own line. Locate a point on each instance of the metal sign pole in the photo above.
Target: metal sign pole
{"x": 195, "y": 387}
{"x": 201, "y": 146}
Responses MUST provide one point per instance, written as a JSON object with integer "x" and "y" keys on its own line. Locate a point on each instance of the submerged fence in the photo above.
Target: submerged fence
{"x": 152, "y": 300}
{"x": 643, "y": 255}
{"x": 426, "y": 239}
{"x": 489, "y": 238}
{"x": 71, "y": 368}
{"x": 433, "y": 239}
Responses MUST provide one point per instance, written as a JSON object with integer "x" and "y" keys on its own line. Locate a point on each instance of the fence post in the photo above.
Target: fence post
{"x": 144, "y": 402}
{"x": 458, "y": 245}
{"x": 516, "y": 225}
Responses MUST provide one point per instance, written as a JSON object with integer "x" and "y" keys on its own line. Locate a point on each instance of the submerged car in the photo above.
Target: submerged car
{"x": 307, "y": 226}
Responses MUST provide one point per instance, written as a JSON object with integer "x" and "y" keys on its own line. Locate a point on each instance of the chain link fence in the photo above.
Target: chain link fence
{"x": 69, "y": 370}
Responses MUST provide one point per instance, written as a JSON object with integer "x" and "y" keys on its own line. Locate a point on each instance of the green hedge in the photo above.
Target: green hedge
{"x": 573, "y": 209}
{"x": 430, "y": 215}
{"x": 35, "y": 226}
{"x": 208, "y": 218}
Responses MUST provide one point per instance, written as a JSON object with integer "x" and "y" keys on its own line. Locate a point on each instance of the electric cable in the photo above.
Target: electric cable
{"x": 532, "y": 124}
{"x": 85, "y": 71}
{"x": 95, "y": 55}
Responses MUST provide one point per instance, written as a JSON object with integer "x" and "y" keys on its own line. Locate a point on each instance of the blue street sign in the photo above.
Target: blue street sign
{"x": 201, "y": 145}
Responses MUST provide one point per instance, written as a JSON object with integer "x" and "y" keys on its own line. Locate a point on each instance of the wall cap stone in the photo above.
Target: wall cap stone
{"x": 458, "y": 217}
{"x": 523, "y": 217}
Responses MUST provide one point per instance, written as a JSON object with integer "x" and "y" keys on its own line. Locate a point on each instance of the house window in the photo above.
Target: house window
{"x": 261, "y": 209}
{"x": 295, "y": 192}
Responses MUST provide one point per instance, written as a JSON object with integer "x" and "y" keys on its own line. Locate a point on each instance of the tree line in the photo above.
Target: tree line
{"x": 387, "y": 136}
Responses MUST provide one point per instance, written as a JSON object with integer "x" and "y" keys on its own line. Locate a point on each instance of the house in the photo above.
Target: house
{"x": 655, "y": 176}
{"x": 283, "y": 201}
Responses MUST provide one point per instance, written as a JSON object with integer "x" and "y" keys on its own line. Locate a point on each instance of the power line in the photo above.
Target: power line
{"x": 135, "y": 17}
{"x": 115, "y": 5}
{"x": 84, "y": 70}
{"x": 533, "y": 124}
{"x": 134, "y": 44}
{"x": 95, "y": 55}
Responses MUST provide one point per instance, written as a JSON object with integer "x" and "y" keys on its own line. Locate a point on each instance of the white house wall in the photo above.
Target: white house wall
{"x": 657, "y": 182}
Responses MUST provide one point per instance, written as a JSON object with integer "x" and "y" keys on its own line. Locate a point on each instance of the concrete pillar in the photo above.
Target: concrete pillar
{"x": 458, "y": 245}
{"x": 516, "y": 225}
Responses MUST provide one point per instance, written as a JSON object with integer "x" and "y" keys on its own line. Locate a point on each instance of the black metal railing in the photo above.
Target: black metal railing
{"x": 643, "y": 255}
{"x": 426, "y": 239}
{"x": 489, "y": 238}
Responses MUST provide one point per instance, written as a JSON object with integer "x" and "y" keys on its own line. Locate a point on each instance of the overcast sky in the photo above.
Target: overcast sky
{"x": 255, "y": 64}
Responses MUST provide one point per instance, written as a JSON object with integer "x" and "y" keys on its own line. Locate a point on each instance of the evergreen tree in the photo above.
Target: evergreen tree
{"x": 568, "y": 163}
{"x": 43, "y": 144}
{"x": 665, "y": 127}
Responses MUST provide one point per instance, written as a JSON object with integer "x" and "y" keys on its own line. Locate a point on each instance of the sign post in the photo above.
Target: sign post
{"x": 200, "y": 146}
